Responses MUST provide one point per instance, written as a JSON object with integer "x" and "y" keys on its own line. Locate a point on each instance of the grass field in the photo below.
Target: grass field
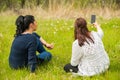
{"x": 60, "y": 32}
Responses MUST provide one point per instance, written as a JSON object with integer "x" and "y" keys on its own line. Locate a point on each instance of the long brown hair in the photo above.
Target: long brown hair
{"x": 81, "y": 31}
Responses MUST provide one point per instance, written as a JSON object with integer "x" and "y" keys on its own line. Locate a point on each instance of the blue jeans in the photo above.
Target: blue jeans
{"x": 43, "y": 54}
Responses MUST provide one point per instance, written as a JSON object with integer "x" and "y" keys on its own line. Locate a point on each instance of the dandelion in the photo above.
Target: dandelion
{"x": 57, "y": 58}
{"x": 47, "y": 33}
{"x": 88, "y": 22}
{"x": 54, "y": 32}
{"x": 56, "y": 29}
{"x": 71, "y": 26}
{"x": 46, "y": 24}
{"x": 1, "y": 35}
{"x": 105, "y": 23}
{"x": 65, "y": 23}
{"x": 68, "y": 28}
{"x": 114, "y": 26}
{"x": 57, "y": 21}
{"x": 117, "y": 46}
{"x": 51, "y": 24}
{"x": 61, "y": 28}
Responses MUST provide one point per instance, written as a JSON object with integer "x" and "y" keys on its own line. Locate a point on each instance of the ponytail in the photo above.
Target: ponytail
{"x": 22, "y": 23}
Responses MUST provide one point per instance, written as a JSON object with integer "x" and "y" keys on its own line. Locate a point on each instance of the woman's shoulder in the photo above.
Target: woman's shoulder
{"x": 28, "y": 36}
{"x": 36, "y": 35}
{"x": 94, "y": 34}
{"x": 31, "y": 37}
{"x": 98, "y": 33}
{"x": 75, "y": 43}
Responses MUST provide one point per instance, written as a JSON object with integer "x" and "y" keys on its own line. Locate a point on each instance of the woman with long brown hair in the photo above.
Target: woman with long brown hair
{"x": 88, "y": 54}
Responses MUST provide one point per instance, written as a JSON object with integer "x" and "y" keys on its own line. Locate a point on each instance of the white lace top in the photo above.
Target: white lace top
{"x": 91, "y": 58}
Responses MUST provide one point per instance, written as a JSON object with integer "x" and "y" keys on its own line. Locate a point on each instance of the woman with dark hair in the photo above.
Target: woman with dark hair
{"x": 88, "y": 54}
{"x": 25, "y": 45}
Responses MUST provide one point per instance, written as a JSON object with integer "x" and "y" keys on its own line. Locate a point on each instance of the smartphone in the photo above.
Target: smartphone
{"x": 93, "y": 19}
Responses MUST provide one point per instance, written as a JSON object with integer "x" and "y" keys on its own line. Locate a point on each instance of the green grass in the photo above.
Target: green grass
{"x": 60, "y": 32}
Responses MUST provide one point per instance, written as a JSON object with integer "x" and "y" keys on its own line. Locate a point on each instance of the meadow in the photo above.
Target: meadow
{"x": 59, "y": 32}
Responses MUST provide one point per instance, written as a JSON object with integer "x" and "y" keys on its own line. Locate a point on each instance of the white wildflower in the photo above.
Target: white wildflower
{"x": 1, "y": 35}
{"x": 54, "y": 32}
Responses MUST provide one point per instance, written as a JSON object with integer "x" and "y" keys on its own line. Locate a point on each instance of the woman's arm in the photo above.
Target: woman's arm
{"x": 76, "y": 54}
{"x": 32, "y": 46}
{"x": 49, "y": 46}
{"x": 99, "y": 30}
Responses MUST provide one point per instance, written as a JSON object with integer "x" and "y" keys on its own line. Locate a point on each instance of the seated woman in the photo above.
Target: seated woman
{"x": 88, "y": 54}
{"x": 25, "y": 45}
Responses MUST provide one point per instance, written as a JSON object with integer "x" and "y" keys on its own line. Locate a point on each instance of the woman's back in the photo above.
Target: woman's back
{"x": 21, "y": 47}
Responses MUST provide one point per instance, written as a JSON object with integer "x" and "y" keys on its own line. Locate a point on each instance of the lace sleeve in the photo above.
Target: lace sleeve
{"x": 76, "y": 53}
{"x": 100, "y": 33}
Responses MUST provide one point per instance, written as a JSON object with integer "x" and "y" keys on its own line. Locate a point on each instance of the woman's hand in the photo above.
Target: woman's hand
{"x": 49, "y": 46}
{"x": 96, "y": 25}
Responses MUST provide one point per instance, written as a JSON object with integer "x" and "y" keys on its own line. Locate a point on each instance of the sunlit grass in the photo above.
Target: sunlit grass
{"x": 60, "y": 32}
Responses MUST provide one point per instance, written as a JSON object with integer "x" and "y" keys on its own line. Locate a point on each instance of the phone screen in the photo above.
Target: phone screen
{"x": 93, "y": 18}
